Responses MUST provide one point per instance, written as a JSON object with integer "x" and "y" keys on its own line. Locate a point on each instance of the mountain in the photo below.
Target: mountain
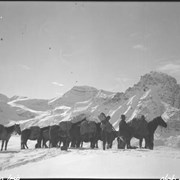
{"x": 3, "y": 98}
{"x": 156, "y": 94}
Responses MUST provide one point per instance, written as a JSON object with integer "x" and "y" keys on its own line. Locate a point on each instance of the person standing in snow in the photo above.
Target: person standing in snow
{"x": 123, "y": 128}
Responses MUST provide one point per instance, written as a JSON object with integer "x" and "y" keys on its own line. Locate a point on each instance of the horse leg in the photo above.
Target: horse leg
{"x": 111, "y": 145}
{"x": 78, "y": 142}
{"x": 45, "y": 145}
{"x": 67, "y": 142}
{"x": 6, "y": 143}
{"x": 140, "y": 142}
{"x": 22, "y": 147}
{"x": 108, "y": 143}
{"x": 92, "y": 143}
{"x": 60, "y": 143}
{"x": 2, "y": 145}
{"x": 152, "y": 141}
{"x": 25, "y": 143}
{"x": 39, "y": 143}
{"x": 147, "y": 143}
{"x": 81, "y": 144}
{"x": 128, "y": 143}
{"x": 104, "y": 144}
{"x": 49, "y": 143}
{"x": 96, "y": 144}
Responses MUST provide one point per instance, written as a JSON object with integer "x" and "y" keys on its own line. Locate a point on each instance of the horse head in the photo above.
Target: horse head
{"x": 17, "y": 129}
{"x": 161, "y": 122}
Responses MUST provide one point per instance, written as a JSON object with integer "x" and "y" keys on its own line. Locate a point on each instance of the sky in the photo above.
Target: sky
{"x": 46, "y": 48}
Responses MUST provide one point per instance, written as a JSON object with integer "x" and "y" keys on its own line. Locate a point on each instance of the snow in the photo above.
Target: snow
{"x": 133, "y": 115}
{"x": 87, "y": 163}
{"x": 14, "y": 104}
{"x": 7, "y": 113}
{"x": 112, "y": 112}
{"x": 129, "y": 107}
{"x": 145, "y": 94}
{"x": 130, "y": 100}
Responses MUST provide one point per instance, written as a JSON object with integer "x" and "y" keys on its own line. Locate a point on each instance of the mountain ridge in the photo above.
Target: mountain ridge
{"x": 154, "y": 94}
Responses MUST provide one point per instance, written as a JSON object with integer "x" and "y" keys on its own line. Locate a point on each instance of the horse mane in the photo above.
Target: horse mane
{"x": 45, "y": 128}
{"x": 154, "y": 120}
{"x": 10, "y": 129}
{"x": 152, "y": 125}
{"x": 79, "y": 122}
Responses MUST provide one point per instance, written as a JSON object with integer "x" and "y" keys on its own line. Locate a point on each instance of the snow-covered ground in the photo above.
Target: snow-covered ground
{"x": 87, "y": 163}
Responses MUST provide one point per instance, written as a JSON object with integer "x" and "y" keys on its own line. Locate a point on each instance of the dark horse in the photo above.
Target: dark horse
{"x": 5, "y": 134}
{"x": 108, "y": 133}
{"x": 75, "y": 135}
{"x": 34, "y": 133}
{"x": 145, "y": 131}
{"x": 54, "y": 136}
{"x": 152, "y": 126}
{"x": 89, "y": 133}
{"x": 64, "y": 133}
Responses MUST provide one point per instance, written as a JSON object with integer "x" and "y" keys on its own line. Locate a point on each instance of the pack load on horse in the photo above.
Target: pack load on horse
{"x": 88, "y": 132}
{"x": 106, "y": 130}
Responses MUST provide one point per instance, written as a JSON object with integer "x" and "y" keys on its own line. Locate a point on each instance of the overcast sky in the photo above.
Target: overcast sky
{"x": 46, "y": 48}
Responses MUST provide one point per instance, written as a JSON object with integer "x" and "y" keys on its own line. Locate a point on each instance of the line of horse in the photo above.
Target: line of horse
{"x": 74, "y": 134}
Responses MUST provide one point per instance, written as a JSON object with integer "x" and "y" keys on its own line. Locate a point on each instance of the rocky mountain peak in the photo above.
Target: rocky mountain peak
{"x": 155, "y": 78}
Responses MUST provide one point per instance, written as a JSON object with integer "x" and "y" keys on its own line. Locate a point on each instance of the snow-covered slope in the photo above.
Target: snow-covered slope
{"x": 76, "y": 94}
{"x": 8, "y": 114}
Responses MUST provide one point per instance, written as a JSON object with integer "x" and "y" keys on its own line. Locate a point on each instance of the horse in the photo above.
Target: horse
{"x": 144, "y": 131}
{"x": 64, "y": 133}
{"x": 5, "y": 134}
{"x": 138, "y": 128}
{"x": 97, "y": 136}
{"x": 106, "y": 130}
{"x": 152, "y": 126}
{"x": 88, "y": 131}
{"x": 75, "y": 135}
{"x": 34, "y": 133}
{"x": 54, "y": 136}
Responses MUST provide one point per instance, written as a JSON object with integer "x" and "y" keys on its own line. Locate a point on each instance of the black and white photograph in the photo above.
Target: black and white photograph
{"x": 89, "y": 89}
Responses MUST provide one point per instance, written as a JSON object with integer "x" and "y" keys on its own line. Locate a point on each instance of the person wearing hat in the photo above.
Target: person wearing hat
{"x": 123, "y": 127}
